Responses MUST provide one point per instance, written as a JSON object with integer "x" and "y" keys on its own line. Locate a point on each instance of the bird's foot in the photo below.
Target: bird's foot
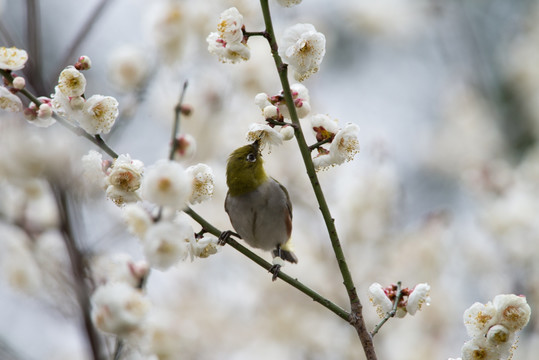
{"x": 225, "y": 235}
{"x": 276, "y": 268}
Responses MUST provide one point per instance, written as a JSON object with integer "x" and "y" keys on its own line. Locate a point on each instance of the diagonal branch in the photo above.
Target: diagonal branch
{"x": 97, "y": 140}
{"x": 266, "y": 265}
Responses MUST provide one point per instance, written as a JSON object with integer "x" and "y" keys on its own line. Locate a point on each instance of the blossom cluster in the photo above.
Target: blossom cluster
{"x": 228, "y": 43}
{"x": 95, "y": 115}
{"x": 165, "y": 239}
{"x": 344, "y": 143}
{"x": 492, "y": 327}
{"x": 410, "y": 300}
{"x": 302, "y": 47}
{"x": 168, "y": 240}
{"x": 274, "y": 107}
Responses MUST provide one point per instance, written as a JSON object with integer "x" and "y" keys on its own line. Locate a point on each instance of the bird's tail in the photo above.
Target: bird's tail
{"x": 286, "y": 252}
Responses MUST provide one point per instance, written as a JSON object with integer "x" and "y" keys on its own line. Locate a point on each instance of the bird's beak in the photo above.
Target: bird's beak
{"x": 256, "y": 146}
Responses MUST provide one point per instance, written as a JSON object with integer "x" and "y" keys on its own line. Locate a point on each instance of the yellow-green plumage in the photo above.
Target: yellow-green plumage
{"x": 242, "y": 175}
{"x": 258, "y": 206}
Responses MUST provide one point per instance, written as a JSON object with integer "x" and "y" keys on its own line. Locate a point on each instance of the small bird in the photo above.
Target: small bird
{"x": 258, "y": 206}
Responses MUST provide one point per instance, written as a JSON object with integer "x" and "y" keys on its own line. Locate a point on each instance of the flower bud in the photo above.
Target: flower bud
{"x": 84, "y": 63}
{"x": 19, "y": 83}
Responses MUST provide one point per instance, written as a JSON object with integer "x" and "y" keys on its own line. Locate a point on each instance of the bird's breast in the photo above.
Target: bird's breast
{"x": 261, "y": 217}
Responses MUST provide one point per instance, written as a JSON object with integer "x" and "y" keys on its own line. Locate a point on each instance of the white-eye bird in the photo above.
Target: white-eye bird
{"x": 258, "y": 206}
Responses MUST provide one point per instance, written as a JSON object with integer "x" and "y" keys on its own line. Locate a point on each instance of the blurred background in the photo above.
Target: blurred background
{"x": 444, "y": 191}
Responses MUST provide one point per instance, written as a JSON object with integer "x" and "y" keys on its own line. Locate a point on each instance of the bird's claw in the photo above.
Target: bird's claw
{"x": 275, "y": 269}
{"x": 225, "y": 235}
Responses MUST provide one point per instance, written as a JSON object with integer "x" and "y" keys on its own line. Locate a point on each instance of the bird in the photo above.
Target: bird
{"x": 258, "y": 206}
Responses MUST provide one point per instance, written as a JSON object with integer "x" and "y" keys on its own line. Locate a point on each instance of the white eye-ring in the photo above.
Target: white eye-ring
{"x": 251, "y": 157}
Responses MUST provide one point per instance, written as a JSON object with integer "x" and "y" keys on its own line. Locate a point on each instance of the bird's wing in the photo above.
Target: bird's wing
{"x": 288, "y": 214}
{"x": 288, "y": 202}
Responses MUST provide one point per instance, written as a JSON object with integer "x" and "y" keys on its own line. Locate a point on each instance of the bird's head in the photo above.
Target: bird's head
{"x": 245, "y": 170}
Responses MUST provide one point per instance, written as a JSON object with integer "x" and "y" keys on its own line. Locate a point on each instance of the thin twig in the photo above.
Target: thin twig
{"x": 391, "y": 313}
{"x": 176, "y": 125}
{"x": 356, "y": 316}
{"x": 279, "y": 123}
{"x": 255, "y": 33}
{"x": 97, "y": 140}
{"x": 79, "y": 271}
{"x": 343, "y": 314}
{"x": 119, "y": 348}
{"x": 320, "y": 143}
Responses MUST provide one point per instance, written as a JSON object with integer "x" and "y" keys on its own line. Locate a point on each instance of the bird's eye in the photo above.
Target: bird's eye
{"x": 251, "y": 157}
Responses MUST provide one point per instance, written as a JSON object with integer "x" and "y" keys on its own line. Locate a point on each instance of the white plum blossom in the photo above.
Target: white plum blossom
{"x": 409, "y": 301}
{"x": 288, "y": 3}
{"x": 12, "y": 58}
{"x": 119, "y": 267}
{"x": 479, "y": 317}
{"x": 128, "y": 68}
{"x": 92, "y": 170}
{"x": 230, "y": 24}
{"x": 227, "y": 52}
{"x": 17, "y": 264}
{"x": 478, "y": 349}
{"x": 169, "y": 29}
{"x": 8, "y": 101}
{"x": 324, "y": 127}
{"x": 121, "y": 197}
{"x": 343, "y": 147}
{"x": 118, "y": 308}
{"x": 514, "y": 312}
{"x": 71, "y": 82}
{"x": 204, "y": 247}
{"x": 202, "y": 182}
{"x": 65, "y": 106}
{"x": 137, "y": 218}
{"x": 167, "y": 184}
{"x": 41, "y": 211}
{"x": 418, "y": 297}
{"x": 274, "y": 107}
{"x": 124, "y": 179}
{"x": 162, "y": 335}
{"x": 228, "y": 42}
{"x": 300, "y": 94}
{"x": 166, "y": 243}
{"x": 98, "y": 114}
{"x": 492, "y": 327}
{"x": 303, "y": 48}
{"x": 379, "y": 299}
{"x": 499, "y": 335}
{"x": 186, "y": 148}
{"x": 125, "y": 173}
{"x": 265, "y": 134}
